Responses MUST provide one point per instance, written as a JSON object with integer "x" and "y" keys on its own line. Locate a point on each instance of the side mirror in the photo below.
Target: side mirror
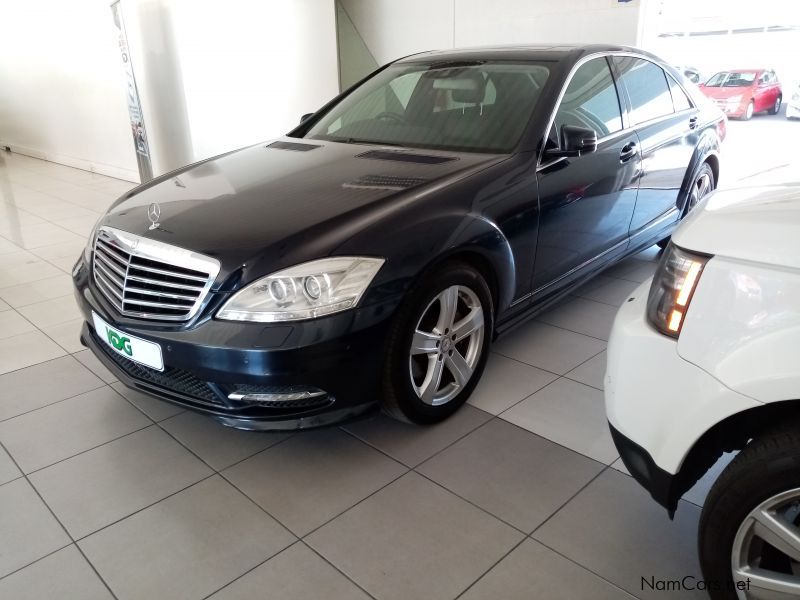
{"x": 575, "y": 141}
{"x": 306, "y": 116}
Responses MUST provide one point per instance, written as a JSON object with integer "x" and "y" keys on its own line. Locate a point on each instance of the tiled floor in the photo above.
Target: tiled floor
{"x": 107, "y": 493}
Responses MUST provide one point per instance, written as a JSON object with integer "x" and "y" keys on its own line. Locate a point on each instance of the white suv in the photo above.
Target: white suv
{"x": 706, "y": 360}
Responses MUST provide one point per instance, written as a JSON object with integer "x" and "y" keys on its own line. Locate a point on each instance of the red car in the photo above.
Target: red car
{"x": 744, "y": 92}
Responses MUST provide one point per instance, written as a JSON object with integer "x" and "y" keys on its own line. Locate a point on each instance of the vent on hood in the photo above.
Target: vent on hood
{"x": 423, "y": 159}
{"x": 297, "y": 147}
{"x": 384, "y": 182}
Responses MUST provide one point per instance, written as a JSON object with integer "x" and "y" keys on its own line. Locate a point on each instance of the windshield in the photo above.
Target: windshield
{"x": 455, "y": 106}
{"x": 732, "y": 79}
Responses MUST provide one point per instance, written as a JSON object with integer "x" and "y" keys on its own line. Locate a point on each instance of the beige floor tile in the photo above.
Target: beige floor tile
{"x": 27, "y": 349}
{"x": 51, "y": 312}
{"x": 398, "y": 543}
{"x": 64, "y": 574}
{"x": 217, "y": 445}
{"x": 26, "y": 526}
{"x": 67, "y": 335}
{"x": 297, "y": 573}
{"x": 505, "y": 382}
{"x": 186, "y": 546}
{"x": 322, "y": 474}
{"x": 37, "y": 291}
{"x": 12, "y": 323}
{"x": 101, "y": 486}
{"x": 570, "y": 414}
{"x": 30, "y": 388}
{"x": 550, "y": 348}
{"x": 50, "y": 434}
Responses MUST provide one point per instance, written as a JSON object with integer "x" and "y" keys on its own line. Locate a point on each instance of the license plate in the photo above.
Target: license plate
{"x": 129, "y": 346}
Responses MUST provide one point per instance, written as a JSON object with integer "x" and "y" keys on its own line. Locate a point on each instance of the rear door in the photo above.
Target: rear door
{"x": 586, "y": 202}
{"x": 665, "y": 121}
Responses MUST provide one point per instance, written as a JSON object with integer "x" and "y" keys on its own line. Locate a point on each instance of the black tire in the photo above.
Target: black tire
{"x": 704, "y": 170}
{"x": 776, "y": 108}
{"x": 398, "y": 397}
{"x": 768, "y": 466}
{"x": 748, "y": 112}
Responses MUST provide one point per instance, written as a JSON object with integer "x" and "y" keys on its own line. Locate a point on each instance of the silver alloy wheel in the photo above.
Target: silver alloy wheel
{"x": 447, "y": 345}
{"x": 749, "y": 111}
{"x": 769, "y": 536}
{"x": 700, "y": 189}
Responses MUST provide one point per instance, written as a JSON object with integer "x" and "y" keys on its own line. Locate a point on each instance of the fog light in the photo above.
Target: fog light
{"x": 272, "y": 398}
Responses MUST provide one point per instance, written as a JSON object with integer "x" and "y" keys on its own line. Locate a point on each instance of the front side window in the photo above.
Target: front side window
{"x": 480, "y": 107}
{"x": 590, "y": 101}
{"x": 647, "y": 88}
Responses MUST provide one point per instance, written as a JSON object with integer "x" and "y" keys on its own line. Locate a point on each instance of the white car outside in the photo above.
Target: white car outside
{"x": 793, "y": 105}
{"x": 705, "y": 359}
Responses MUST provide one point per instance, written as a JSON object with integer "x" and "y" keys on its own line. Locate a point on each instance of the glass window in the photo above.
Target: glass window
{"x": 647, "y": 88}
{"x": 590, "y": 101}
{"x": 480, "y": 107}
{"x": 732, "y": 79}
{"x": 679, "y": 98}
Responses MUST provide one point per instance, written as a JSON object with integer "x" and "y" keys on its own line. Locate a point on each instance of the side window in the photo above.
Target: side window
{"x": 590, "y": 101}
{"x": 680, "y": 100}
{"x": 647, "y": 88}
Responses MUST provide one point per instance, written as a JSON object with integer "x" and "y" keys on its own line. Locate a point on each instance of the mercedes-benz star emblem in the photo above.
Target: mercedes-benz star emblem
{"x": 153, "y": 213}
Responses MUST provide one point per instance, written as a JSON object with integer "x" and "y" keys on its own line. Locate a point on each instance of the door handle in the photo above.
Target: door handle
{"x": 693, "y": 123}
{"x": 629, "y": 150}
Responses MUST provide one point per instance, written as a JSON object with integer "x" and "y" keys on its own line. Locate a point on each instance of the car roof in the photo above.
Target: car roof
{"x": 521, "y": 52}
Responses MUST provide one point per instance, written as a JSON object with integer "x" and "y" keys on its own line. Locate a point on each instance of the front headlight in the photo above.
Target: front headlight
{"x": 305, "y": 291}
{"x": 672, "y": 289}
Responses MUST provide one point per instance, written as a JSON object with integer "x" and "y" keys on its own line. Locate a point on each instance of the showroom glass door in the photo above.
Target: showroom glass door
{"x": 666, "y": 124}
{"x": 586, "y": 202}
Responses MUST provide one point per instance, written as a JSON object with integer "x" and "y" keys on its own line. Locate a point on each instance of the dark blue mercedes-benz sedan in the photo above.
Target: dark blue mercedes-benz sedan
{"x": 373, "y": 254}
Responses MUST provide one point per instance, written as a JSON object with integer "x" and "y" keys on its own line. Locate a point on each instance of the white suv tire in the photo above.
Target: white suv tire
{"x": 761, "y": 485}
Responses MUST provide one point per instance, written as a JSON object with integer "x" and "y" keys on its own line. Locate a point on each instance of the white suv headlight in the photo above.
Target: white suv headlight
{"x": 672, "y": 289}
{"x": 306, "y": 291}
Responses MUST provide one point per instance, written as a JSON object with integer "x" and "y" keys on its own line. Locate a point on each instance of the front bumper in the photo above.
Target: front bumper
{"x": 207, "y": 360}
{"x": 658, "y": 404}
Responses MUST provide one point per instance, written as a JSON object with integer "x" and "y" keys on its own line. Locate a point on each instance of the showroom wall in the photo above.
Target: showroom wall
{"x": 392, "y": 29}
{"x": 250, "y": 69}
{"x": 212, "y": 77}
{"x": 62, "y": 89}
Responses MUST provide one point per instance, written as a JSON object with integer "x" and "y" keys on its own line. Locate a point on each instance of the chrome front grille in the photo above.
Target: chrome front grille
{"x": 148, "y": 279}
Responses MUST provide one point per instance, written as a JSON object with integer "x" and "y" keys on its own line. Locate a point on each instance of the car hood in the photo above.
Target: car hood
{"x": 722, "y": 93}
{"x": 757, "y": 224}
{"x": 289, "y": 199}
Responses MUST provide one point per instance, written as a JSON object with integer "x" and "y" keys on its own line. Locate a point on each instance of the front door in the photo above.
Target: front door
{"x": 586, "y": 202}
{"x": 767, "y": 91}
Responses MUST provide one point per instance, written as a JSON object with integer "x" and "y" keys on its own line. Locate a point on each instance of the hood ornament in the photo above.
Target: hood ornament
{"x": 153, "y": 213}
